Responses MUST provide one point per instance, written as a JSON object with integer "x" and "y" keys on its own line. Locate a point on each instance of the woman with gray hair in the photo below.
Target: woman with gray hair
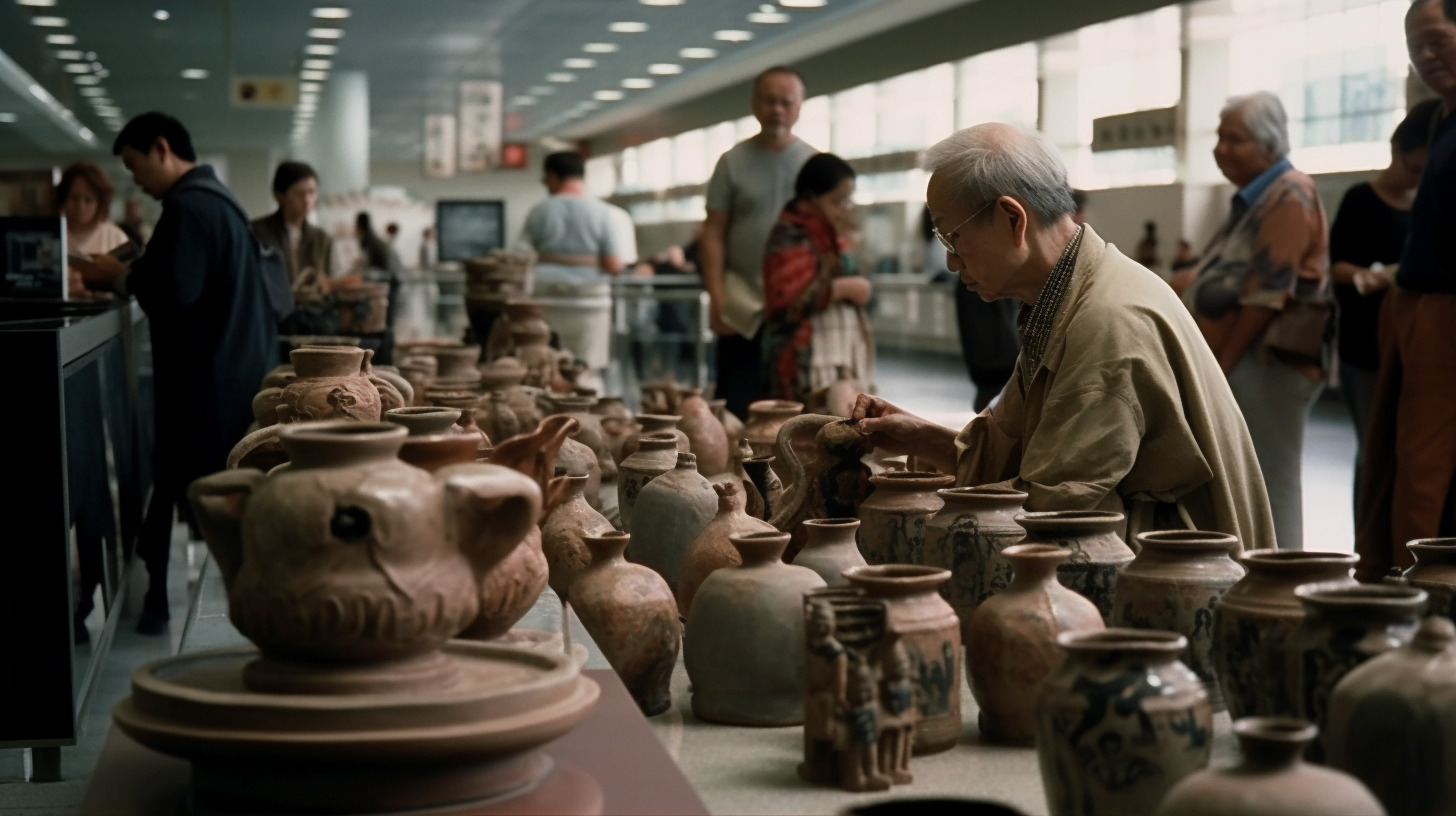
{"x": 1261, "y": 296}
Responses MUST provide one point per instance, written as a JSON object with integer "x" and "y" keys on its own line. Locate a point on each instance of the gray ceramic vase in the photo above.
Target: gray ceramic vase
{"x": 1098, "y": 551}
{"x": 674, "y": 509}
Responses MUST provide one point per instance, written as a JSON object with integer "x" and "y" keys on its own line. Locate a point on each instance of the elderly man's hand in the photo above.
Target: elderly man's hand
{"x": 898, "y": 431}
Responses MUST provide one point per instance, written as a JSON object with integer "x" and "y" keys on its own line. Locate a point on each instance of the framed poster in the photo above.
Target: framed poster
{"x": 480, "y": 125}
{"x": 469, "y": 229}
{"x": 440, "y": 146}
{"x": 33, "y": 255}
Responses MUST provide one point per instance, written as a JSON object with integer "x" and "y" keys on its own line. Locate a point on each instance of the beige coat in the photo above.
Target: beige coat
{"x": 1128, "y": 408}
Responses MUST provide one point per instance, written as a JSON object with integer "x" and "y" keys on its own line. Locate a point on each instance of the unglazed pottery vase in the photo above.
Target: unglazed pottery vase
{"x": 1434, "y": 571}
{"x": 1119, "y": 722}
{"x": 707, "y": 439}
{"x": 931, "y": 632}
{"x": 757, "y": 679}
{"x": 650, "y": 424}
{"x": 1344, "y": 625}
{"x": 1011, "y": 640}
{"x": 576, "y": 459}
{"x": 564, "y": 532}
{"x": 434, "y": 440}
{"x": 1252, "y": 623}
{"x": 674, "y": 509}
{"x": 456, "y": 366}
{"x": 893, "y": 518}
{"x": 1174, "y": 583}
{"x": 1271, "y": 779}
{"x": 966, "y": 536}
{"x": 761, "y": 429}
{"x": 830, "y": 548}
{"x": 501, "y": 373}
{"x": 732, "y": 425}
{"x": 419, "y": 370}
{"x": 711, "y": 550}
{"x": 630, "y": 613}
{"x": 1392, "y": 723}
{"x": 424, "y": 421}
{"x": 656, "y": 455}
{"x": 1097, "y": 550}
{"x": 826, "y": 477}
{"x": 590, "y": 433}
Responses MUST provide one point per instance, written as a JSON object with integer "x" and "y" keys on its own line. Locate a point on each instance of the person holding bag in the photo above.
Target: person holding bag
{"x": 1261, "y": 296}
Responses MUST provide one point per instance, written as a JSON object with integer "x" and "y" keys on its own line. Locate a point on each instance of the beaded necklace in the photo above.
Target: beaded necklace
{"x": 1035, "y": 325}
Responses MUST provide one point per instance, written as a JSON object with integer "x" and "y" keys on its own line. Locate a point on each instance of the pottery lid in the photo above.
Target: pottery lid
{"x": 911, "y": 480}
{"x": 340, "y": 442}
{"x": 884, "y": 580}
{"x": 1366, "y": 600}
{"x": 1153, "y": 645}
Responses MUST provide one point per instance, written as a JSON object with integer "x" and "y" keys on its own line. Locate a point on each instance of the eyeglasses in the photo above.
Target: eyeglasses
{"x": 945, "y": 242}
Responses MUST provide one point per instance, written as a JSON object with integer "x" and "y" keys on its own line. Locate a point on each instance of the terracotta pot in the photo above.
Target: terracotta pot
{"x": 895, "y": 514}
{"x": 617, "y": 424}
{"x": 495, "y": 416}
{"x": 500, "y": 373}
{"x": 1174, "y": 583}
{"x": 1119, "y": 722}
{"x": 707, "y": 439}
{"x": 830, "y": 548}
{"x": 465, "y": 402}
{"x": 826, "y": 477}
{"x": 1271, "y": 779}
{"x": 590, "y": 433}
{"x": 931, "y": 633}
{"x": 456, "y": 366}
{"x": 629, "y": 611}
{"x": 1392, "y": 723}
{"x": 522, "y": 316}
{"x": 966, "y": 536}
{"x": 656, "y": 456}
{"x": 539, "y": 358}
{"x": 711, "y": 549}
{"x": 660, "y": 397}
{"x": 1097, "y": 551}
{"x": 1434, "y": 571}
{"x": 563, "y": 535}
{"x": 576, "y": 459}
{"x": 1011, "y": 640}
{"x": 435, "y": 441}
{"x": 363, "y": 308}
{"x": 419, "y": 370}
{"x": 1254, "y": 620}
{"x": 649, "y": 424}
{"x": 674, "y": 509}
{"x": 756, "y": 680}
{"x": 761, "y": 429}
{"x": 732, "y": 425}
{"x": 1344, "y": 625}
{"x": 424, "y": 420}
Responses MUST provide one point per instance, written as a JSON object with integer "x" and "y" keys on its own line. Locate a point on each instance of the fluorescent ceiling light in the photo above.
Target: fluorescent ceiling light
{"x": 36, "y": 3}
{"x": 733, "y": 35}
{"x": 768, "y": 15}
{"x": 86, "y": 134}
{"x": 627, "y": 27}
{"x": 102, "y": 73}
{"x": 697, "y": 53}
{"x": 50, "y": 22}
{"x": 803, "y": 4}
{"x": 76, "y": 68}
{"x": 561, "y": 76}
{"x": 321, "y": 49}
{"x": 309, "y": 98}
{"x": 331, "y": 13}
{"x": 61, "y": 39}
{"x": 93, "y": 91}
{"x": 661, "y": 2}
{"x": 326, "y": 33}
{"x": 579, "y": 62}
{"x": 314, "y": 76}
{"x": 318, "y": 64}
{"x": 7, "y": 118}
{"x": 637, "y": 83}
{"x": 309, "y": 87}
{"x": 194, "y": 73}
{"x": 70, "y": 55}
{"x": 161, "y": 15}
{"x": 601, "y": 48}
{"x": 664, "y": 68}
{"x": 87, "y": 79}
{"x": 607, "y": 96}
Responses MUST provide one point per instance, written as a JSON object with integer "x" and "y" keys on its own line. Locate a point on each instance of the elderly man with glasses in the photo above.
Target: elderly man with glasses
{"x": 1116, "y": 402}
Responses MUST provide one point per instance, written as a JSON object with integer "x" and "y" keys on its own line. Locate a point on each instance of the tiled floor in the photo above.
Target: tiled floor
{"x": 932, "y": 385}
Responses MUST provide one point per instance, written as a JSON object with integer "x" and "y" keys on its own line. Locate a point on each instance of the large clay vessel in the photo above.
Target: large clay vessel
{"x": 1011, "y": 640}
{"x": 892, "y": 529}
{"x": 630, "y": 613}
{"x": 1119, "y": 722}
{"x": 707, "y": 437}
{"x": 1175, "y": 583}
{"x": 1434, "y": 571}
{"x": 1254, "y": 619}
{"x": 711, "y": 550}
{"x": 1392, "y": 723}
{"x": 761, "y": 429}
{"x": 457, "y": 366}
{"x": 590, "y": 433}
{"x": 650, "y": 424}
{"x": 1271, "y": 779}
{"x": 830, "y": 548}
{"x": 826, "y": 477}
{"x": 966, "y": 536}
{"x": 740, "y": 679}
{"x": 670, "y": 512}
{"x": 1097, "y": 551}
{"x": 656, "y": 455}
{"x": 931, "y": 633}
{"x": 1344, "y": 625}
{"x": 564, "y": 532}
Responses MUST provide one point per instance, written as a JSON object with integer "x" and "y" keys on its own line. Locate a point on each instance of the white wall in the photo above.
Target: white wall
{"x": 1118, "y": 216}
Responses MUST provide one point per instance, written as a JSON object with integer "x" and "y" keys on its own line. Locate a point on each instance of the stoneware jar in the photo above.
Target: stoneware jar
{"x": 1119, "y": 722}
{"x": 1254, "y": 619}
{"x": 650, "y": 424}
{"x": 893, "y": 519}
{"x": 675, "y": 507}
{"x": 1271, "y": 779}
{"x": 1392, "y": 723}
{"x": 629, "y": 612}
{"x": 931, "y": 633}
{"x": 1174, "y": 583}
{"x": 711, "y": 550}
{"x": 707, "y": 439}
{"x": 740, "y": 679}
{"x": 656, "y": 456}
{"x": 966, "y": 536}
{"x": 1011, "y": 640}
{"x": 1097, "y": 550}
{"x": 830, "y": 548}
{"x": 564, "y": 532}
{"x": 1434, "y": 571}
{"x": 1344, "y": 625}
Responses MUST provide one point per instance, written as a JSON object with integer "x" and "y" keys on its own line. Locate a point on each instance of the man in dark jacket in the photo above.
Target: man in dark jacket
{"x": 214, "y": 334}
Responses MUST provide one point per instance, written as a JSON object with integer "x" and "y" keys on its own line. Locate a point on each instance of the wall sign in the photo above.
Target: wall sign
{"x": 480, "y": 125}
{"x": 1146, "y": 128}
{"x": 440, "y": 146}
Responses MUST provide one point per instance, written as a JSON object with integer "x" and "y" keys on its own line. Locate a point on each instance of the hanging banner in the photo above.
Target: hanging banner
{"x": 440, "y": 146}
{"x": 481, "y": 114}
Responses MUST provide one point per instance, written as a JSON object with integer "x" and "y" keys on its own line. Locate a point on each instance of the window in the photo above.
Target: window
{"x": 915, "y": 110}
{"x": 814, "y": 123}
{"x": 999, "y": 86}
{"x": 854, "y": 116}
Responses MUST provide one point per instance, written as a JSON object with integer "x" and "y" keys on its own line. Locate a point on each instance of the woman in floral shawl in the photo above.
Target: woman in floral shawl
{"x": 815, "y": 331}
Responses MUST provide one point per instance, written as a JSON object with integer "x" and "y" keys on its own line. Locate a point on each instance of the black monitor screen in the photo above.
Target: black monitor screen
{"x": 469, "y": 229}
{"x": 32, "y": 257}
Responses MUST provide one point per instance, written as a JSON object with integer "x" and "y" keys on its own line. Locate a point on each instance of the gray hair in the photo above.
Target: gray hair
{"x": 1263, "y": 114}
{"x": 990, "y": 160}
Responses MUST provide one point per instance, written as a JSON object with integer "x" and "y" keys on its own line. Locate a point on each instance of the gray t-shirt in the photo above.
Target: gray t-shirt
{"x": 751, "y": 185}
{"x": 571, "y": 225}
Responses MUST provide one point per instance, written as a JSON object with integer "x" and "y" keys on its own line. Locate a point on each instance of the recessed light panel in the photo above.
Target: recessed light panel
{"x": 768, "y": 15}
{"x": 93, "y": 92}
{"x": 697, "y": 53}
{"x": 317, "y": 64}
{"x": 803, "y": 4}
{"x": 87, "y": 79}
{"x": 70, "y": 55}
{"x": 61, "y": 39}
{"x": 7, "y": 118}
{"x": 579, "y": 63}
{"x": 313, "y": 76}
{"x": 331, "y": 13}
{"x": 161, "y": 15}
{"x": 627, "y": 27}
{"x": 523, "y": 101}
{"x": 637, "y": 83}
{"x": 309, "y": 87}
{"x": 326, "y": 33}
{"x": 561, "y": 76}
{"x": 194, "y": 73}
{"x": 664, "y": 68}
{"x": 601, "y": 48}
{"x": 321, "y": 49}
{"x": 77, "y": 68}
{"x": 50, "y": 22}
{"x": 542, "y": 90}
{"x": 607, "y": 96}
{"x": 661, "y": 2}
{"x": 732, "y": 35}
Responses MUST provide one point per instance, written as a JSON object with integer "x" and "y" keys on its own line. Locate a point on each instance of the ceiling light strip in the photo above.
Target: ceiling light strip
{"x": 24, "y": 85}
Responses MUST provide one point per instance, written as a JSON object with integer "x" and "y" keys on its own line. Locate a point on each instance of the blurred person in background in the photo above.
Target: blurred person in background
{"x": 84, "y": 198}
{"x": 307, "y": 250}
{"x": 134, "y": 223}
